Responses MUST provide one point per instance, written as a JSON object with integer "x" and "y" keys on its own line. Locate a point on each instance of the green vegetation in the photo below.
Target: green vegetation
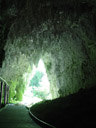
{"x": 40, "y": 94}
{"x": 35, "y": 82}
{"x": 16, "y": 90}
{"x": 37, "y": 86}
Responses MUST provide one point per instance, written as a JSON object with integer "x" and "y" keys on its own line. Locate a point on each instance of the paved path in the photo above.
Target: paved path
{"x": 16, "y": 116}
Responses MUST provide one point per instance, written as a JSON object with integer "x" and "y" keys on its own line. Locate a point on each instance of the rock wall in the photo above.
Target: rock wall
{"x": 63, "y": 35}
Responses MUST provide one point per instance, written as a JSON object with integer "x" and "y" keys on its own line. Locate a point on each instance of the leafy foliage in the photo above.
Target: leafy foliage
{"x": 16, "y": 89}
{"x": 35, "y": 82}
{"x": 40, "y": 94}
{"x": 36, "y": 86}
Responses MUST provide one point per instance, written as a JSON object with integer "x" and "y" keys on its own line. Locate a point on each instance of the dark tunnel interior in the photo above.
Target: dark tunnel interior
{"x": 63, "y": 35}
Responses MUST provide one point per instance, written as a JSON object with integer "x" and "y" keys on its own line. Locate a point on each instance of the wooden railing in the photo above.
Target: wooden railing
{"x": 4, "y": 92}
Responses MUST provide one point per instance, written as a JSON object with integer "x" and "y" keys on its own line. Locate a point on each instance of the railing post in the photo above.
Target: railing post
{"x": 5, "y": 92}
{"x": 1, "y": 87}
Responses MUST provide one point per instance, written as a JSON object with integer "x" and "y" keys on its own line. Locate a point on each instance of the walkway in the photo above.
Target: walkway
{"x": 16, "y": 116}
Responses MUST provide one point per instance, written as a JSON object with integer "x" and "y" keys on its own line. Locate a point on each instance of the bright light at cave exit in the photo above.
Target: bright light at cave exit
{"x": 28, "y": 97}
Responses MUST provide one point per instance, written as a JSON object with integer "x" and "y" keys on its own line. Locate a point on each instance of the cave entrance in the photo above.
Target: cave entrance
{"x": 38, "y": 86}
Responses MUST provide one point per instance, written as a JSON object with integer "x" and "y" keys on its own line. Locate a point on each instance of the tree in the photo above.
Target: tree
{"x": 40, "y": 94}
{"x": 35, "y": 81}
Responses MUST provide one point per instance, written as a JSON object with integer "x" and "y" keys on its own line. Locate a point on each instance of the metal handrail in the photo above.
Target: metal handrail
{"x": 3, "y": 80}
{"x": 4, "y": 89}
{"x": 43, "y": 123}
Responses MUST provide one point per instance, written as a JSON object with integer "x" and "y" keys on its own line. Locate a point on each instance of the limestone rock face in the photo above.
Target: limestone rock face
{"x": 61, "y": 34}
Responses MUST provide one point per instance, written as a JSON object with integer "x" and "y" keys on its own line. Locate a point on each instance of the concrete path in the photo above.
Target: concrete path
{"x": 16, "y": 116}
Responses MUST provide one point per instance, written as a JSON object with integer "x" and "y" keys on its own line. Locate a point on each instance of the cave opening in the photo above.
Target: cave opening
{"x": 63, "y": 35}
{"x": 38, "y": 85}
